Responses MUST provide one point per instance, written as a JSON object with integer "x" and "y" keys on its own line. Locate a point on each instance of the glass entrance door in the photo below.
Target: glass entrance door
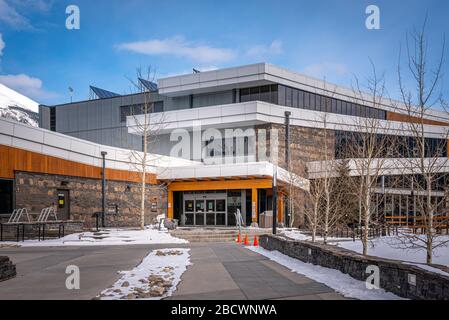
{"x": 205, "y": 209}
{"x": 199, "y": 212}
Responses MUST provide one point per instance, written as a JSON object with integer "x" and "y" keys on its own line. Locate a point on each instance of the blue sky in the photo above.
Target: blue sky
{"x": 327, "y": 38}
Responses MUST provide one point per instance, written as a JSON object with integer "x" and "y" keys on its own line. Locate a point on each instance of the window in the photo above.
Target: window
{"x": 295, "y": 99}
{"x": 244, "y": 95}
{"x": 288, "y": 97}
{"x": 339, "y": 106}
{"x": 254, "y": 93}
{"x": 334, "y": 106}
{"x": 281, "y": 95}
{"x": 318, "y": 103}
{"x": 312, "y": 101}
{"x": 53, "y": 119}
{"x": 274, "y": 93}
{"x": 265, "y": 93}
{"x": 306, "y": 100}
{"x": 300, "y": 99}
{"x": 158, "y": 106}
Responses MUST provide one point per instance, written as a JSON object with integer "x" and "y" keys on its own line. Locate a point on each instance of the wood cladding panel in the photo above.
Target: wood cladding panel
{"x": 14, "y": 159}
{"x": 393, "y": 116}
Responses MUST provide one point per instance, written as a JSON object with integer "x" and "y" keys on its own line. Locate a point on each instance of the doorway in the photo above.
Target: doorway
{"x": 205, "y": 209}
{"x": 63, "y": 205}
{"x": 6, "y": 196}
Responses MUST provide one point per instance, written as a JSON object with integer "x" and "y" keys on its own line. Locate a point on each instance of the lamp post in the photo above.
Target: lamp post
{"x": 287, "y": 163}
{"x": 103, "y": 188}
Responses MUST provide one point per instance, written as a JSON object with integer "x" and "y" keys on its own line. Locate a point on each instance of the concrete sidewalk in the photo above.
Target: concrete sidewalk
{"x": 229, "y": 271}
{"x": 41, "y": 270}
{"x": 219, "y": 271}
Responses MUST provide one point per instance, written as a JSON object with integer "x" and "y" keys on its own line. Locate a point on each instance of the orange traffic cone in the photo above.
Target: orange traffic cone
{"x": 256, "y": 241}
{"x": 238, "y": 240}
{"x": 246, "y": 243}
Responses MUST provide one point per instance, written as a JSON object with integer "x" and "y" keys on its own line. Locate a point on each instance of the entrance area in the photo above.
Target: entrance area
{"x": 205, "y": 209}
{"x": 214, "y": 203}
{"x": 215, "y": 208}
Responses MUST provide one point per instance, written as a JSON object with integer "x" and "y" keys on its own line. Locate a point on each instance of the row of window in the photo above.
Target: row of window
{"x": 440, "y": 182}
{"x": 347, "y": 143}
{"x": 295, "y": 98}
{"x": 135, "y": 109}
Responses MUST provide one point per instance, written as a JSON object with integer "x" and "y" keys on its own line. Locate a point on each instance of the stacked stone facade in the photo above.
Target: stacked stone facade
{"x": 36, "y": 191}
{"x": 306, "y": 144}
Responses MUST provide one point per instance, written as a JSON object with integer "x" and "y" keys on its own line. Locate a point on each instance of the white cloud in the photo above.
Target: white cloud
{"x": 26, "y": 85}
{"x": 2, "y": 45}
{"x": 179, "y": 47}
{"x": 10, "y": 16}
{"x": 324, "y": 69}
{"x": 261, "y": 51}
{"x": 33, "y": 5}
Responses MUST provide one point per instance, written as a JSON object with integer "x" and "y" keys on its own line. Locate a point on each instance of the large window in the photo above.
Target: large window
{"x": 267, "y": 93}
{"x": 295, "y": 98}
{"x": 136, "y": 109}
{"x": 395, "y": 146}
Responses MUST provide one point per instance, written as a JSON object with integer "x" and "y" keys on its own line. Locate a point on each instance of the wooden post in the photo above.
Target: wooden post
{"x": 170, "y": 204}
{"x": 254, "y": 200}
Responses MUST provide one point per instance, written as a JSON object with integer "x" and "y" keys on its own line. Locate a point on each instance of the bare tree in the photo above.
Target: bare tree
{"x": 313, "y": 212}
{"x": 426, "y": 158}
{"x": 148, "y": 127}
{"x": 369, "y": 150}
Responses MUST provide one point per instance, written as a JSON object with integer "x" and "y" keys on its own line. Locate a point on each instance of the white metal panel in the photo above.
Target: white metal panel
{"x": 29, "y": 133}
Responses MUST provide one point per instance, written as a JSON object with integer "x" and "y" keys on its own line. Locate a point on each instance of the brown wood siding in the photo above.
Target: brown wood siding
{"x": 14, "y": 159}
{"x": 393, "y": 116}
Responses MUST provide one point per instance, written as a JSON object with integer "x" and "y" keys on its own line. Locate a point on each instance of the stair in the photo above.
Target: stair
{"x": 197, "y": 234}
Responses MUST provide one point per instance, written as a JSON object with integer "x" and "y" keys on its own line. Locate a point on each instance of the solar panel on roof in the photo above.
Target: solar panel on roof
{"x": 148, "y": 84}
{"x": 103, "y": 94}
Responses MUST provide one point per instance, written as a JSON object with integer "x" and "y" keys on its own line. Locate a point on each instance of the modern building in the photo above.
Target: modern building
{"x": 220, "y": 138}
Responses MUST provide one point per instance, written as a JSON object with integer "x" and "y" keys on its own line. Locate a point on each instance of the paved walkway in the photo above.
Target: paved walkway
{"x": 219, "y": 271}
{"x": 229, "y": 271}
{"x": 41, "y": 270}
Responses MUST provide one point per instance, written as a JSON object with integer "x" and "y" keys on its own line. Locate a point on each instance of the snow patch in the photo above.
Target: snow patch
{"x": 390, "y": 248}
{"x": 15, "y": 106}
{"x": 108, "y": 237}
{"x": 340, "y": 282}
{"x": 155, "y": 278}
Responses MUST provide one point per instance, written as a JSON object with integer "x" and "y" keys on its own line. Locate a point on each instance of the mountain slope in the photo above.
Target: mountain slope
{"x": 18, "y": 107}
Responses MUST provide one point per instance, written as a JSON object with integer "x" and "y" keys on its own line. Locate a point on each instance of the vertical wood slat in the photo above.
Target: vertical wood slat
{"x": 14, "y": 159}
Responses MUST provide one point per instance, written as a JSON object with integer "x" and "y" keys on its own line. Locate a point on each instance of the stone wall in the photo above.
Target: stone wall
{"x": 7, "y": 269}
{"x": 395, "y": 277}
{"x": 306, "y": 144}
{"x": 36, "y": 191}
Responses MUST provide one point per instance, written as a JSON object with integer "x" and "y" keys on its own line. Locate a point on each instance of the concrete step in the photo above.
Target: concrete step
{"x": 216, "y": 235}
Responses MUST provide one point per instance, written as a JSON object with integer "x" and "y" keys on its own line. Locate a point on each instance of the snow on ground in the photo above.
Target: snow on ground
{"x": 389, "y": 248}
{"x": 107, "y": 237}
{"x": 340, "y": 282}
{"x": 296, "y": 234}
{"x": 156, "y": 277}
{"x": 385, "y": 247}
